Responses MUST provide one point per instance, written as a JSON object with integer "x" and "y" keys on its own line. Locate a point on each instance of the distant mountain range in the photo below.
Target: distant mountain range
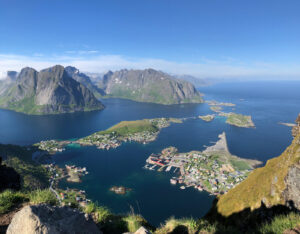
{"x": 62, "y": 90}
{"x": 49, "y": 91}
{"x": 149, "y": 85}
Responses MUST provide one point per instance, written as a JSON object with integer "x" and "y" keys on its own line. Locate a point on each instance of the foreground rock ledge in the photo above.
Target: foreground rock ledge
{"x": 48, "y": 219}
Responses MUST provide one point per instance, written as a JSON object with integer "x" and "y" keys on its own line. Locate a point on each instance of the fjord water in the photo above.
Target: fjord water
{"x": 153, "y": 196}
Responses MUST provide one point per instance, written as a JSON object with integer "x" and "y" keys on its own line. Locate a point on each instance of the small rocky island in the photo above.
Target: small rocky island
{"x": 141, "y": 131}
{"x": 207, "y": 118}
{"x": 238, "y": 120}
{"x": 215, "y": 169}
{"x": 74, "y": 173}
{"x": 216, "y": 108}
{"x": 121, "y": 190}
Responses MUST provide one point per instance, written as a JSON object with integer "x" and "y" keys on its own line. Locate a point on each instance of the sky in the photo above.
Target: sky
{"x": 256, "y": 39}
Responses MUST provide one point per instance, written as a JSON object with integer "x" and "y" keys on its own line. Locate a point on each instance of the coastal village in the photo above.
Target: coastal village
{"x": 214, "y": 170}
{"x": 69, "y": 197}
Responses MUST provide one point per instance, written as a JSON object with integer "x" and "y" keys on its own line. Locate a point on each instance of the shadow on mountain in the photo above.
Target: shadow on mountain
{"x": 9, "y": 178}
{"x": 248, "y": 221}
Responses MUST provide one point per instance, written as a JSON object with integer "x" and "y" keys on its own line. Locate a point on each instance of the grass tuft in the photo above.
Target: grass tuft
{"x": 42, "y": 196}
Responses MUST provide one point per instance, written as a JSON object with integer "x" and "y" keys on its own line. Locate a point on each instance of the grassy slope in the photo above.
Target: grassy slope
{"x": 266, "y": 183}
{"x": 129, "y": 127}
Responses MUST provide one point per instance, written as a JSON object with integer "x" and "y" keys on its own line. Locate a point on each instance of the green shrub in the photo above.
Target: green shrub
{"x": 101, "y": 213}
{"x": 9, "y": 199}
{"x": 42, "y": 196}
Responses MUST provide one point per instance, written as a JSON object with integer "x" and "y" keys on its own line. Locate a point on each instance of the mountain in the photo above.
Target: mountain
{"x": 84, "y": 80}
{"x": 50, "y": 91}
{"x": 275, "y": 184}
{"x": 149, "y": 86}
{"x": 197, "y": 82}
{"x": 8, "y": 82}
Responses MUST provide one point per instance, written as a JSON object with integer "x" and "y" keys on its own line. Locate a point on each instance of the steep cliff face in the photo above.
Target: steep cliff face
{"x": 277, "y": 183}
{"x": 149, "y": 86}
{"x": 49, "y": 91}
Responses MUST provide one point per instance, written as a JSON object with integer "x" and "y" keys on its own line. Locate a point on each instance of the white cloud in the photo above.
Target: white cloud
{"x": 91, "y": 61}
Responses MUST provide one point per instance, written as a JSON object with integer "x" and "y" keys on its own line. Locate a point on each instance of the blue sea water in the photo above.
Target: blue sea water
{"x": 153, "y": 196}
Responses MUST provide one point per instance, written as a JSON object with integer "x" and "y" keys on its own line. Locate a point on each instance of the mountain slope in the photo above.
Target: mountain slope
{"x": 149, "y": 86}
{"x": 197, "y": 82}
{"x": 85, "y": 80}
{"x": 49, "y": 91}
{"x": 277, "y": 183}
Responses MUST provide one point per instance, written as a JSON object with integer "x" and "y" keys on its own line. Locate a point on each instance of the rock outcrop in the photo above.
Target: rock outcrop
{"x": 50, "y": 91}
{"x": 53, "y": 220}
{"x": 149, "y": 86}
{"x": 9, "y": 178}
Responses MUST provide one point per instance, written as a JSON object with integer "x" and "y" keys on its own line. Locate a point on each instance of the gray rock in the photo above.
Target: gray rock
{"x": 47, "y": 219}
{"x": 292, "y": 191}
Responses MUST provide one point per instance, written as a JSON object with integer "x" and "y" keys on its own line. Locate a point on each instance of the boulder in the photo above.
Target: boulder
{"x": 51, "y": 219}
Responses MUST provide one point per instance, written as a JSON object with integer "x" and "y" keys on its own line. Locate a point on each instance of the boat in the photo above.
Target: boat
{"x": 182, "y": 187}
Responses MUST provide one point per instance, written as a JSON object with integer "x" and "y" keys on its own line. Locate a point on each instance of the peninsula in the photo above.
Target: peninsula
{"x": 215, "y": 169}
{"x": 141, "y": 131}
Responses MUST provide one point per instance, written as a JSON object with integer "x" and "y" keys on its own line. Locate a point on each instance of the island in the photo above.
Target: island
{"x": 141, "y": 131}
{"x": 215, "y": 103}
{"x": 238, "y": 120}
{"x": 207, "y": 118}
{"x": 216, "y": 108}
{"x": 215, "y": 169}
{"x": 74, "y": 173}
{"x": 121, "y": 190}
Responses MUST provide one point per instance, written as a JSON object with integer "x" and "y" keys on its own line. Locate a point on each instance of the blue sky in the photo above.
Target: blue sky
{"x": 212, "y": 38}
